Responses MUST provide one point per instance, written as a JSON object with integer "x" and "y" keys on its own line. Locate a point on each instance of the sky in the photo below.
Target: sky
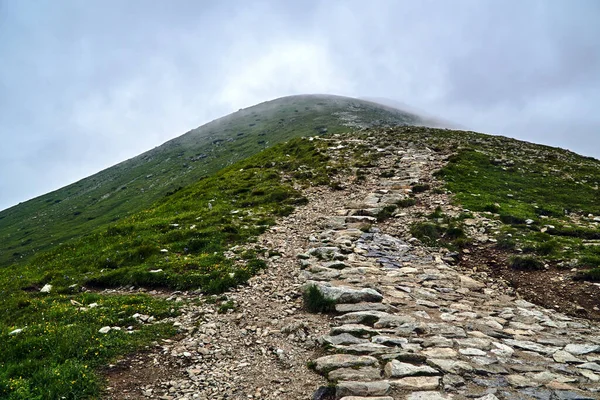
{"x": 87, "y": 84}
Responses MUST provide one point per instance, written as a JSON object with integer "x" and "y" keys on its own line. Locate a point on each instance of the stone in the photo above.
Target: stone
{"x": 349, "y": 307}
{"x": 416, "y": 383}
{"x": 343, "y": 294}
{"x": 328, "y": 363}
{"x": 389, "y": 341}
{"x": 472, "y": 352}
{"x": 343, "y": 339}
{"x": 581, "y": 349}
{"x": 15, "y": 332}
{"x": 520, "y": 381}
{"x": 532, "y": 346}
{"x": 104, "y": 329}
{"x": 355, "y": 374}
{"x": 46, "y": 289}
{"x": 564, "y": 357}
{"x": 570, "y": 395}
{"x": 367, "y": 398}
{"x": 354, "y": 329}
{"x": 441, "y": 352}
{"x": 450, "y": 366}
{"x": 488, "y": 396}
{"x": 590, "y": 375}
{"x": 428, "y": 395}
{"x": 591, "y": 366}
{"x": 357, "y": 388}
{"x": 437, "y": 341}
{"x": 397, "y": 369}
{"x": 470, "y": 283}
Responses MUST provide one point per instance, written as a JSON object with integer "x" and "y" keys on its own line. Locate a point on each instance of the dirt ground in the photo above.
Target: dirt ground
{"x": 551, "y": 288}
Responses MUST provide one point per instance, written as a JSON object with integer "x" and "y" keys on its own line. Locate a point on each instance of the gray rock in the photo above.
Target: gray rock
{"x": 520, "y": 381}
{"x": 346, "y": 308}
{"x": 389, "y": 341}
{"x": 343, "y": 294}
{"x": 327, "y": 363}
{"x": 355, "y": 374}
{"x": 532, "y": 346}
{"x": 416, "y": 383}
{"x": 397, "y": 369}
{"x": 357, "y": 388}
{"x": 450, "y": 366}
{"x": 570, "y": 395}
{"x": 429, "y": 395}
{"x": 591, "y": 366}
{"x": 441, "y": 352}
{"x": 564, "y": 357}
{"x": 581, "y": 349}
{"x": 343, "y": 339}
{"x": 354, "y": 329}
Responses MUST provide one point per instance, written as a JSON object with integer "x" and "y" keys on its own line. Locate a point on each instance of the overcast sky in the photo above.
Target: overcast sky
{"x": 87, "y": 84}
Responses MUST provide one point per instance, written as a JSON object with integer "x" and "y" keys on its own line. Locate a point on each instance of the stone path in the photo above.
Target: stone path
{"x": 407, "y": 324}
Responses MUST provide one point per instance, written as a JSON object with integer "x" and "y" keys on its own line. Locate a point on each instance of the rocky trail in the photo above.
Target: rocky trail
{"x": 404, "y": 321}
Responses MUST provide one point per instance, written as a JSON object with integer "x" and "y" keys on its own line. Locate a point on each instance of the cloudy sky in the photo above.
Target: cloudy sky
{"x": 86, "y": 84}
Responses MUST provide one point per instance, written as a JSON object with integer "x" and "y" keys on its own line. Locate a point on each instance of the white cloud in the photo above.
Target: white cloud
{"x": 284, "y": 68}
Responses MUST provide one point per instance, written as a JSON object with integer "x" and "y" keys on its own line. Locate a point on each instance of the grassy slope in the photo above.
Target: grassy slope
{"x": 135, "y": 184}
{"x": 59, "y": 348}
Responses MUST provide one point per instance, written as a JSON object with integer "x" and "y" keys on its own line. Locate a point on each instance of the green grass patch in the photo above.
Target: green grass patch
{"x": 316, "y": 302}
{"x": 526, "y": 263}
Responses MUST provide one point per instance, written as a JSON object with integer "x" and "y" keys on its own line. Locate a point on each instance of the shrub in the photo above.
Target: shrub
{"x": 526, "y": 263}
{"x": 385, "y": 212}
{"x": 592, "y": 275}
{"x": 426, "y": 232}
{"x": 420, "y": 188}
{"x": 408, "y": 202}
{"x": 316, "y": 302}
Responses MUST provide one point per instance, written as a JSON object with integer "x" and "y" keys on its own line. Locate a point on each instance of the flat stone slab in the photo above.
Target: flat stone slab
{"x": 355, "y": 374}
{"x": 328, "y": 363}
{"x": 581, "y": 349}
{"x": 416, "y": 383}
{"x": 430, "y": 395}
{"x": 354, "y": 329}
{"x": 358, "y": 388}
{"x": 450, "y": 366}
{"x": 343, "y": 294}
{"x": 346, "y": 308}
{"x": 532, "y": 346}
{"x": 397, "y": 369}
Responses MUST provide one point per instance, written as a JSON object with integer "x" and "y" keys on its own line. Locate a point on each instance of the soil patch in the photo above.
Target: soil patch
{"x": 551, "y": 288}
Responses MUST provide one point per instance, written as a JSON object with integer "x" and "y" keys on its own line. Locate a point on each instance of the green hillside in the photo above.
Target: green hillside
{"x": 173, "y": 219}
{"x": 134, "y": 184}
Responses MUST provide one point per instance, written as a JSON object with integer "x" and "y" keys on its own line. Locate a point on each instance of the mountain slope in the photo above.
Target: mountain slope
{"x": 491, "y": 205}
{"x": 134, "y": 184}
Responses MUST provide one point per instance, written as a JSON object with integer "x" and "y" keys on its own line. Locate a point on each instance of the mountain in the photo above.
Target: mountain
{"x": 134, "y": 184}
{"x": 249, "y": 227}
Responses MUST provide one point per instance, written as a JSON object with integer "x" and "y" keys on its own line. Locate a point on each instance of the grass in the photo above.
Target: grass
{"x": 134, "y": 185}
{"x": 542, "y": 195}
{"x": 316, "y": 302}
{"x": 526, "y": 263}
{"x": 178, "y": 243}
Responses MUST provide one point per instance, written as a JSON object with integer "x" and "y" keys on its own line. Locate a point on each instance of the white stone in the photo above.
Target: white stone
{"x": 46, "y": 289}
